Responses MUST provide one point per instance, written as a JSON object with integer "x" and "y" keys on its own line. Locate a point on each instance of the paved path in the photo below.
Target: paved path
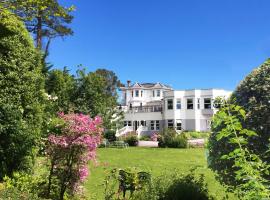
{"x": 147, "y": 144}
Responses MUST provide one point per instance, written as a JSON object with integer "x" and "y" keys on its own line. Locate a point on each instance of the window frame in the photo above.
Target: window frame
{"x": 137, "y": 93}
{"x": 158, "y": 93}
{"x": 152, "y": 125}
{"x": 157, "y": 125}
{"x": 170, "y": 123}
{"x": 177, "y": 125}
{"x": 178, "y": 104}
{"x": 188, "y": 104}
{"x": 170, "y": 106}
{"x": 207, "y": 105}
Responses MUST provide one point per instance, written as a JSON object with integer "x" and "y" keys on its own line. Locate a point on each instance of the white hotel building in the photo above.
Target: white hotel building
{"x": 150, "y": 107}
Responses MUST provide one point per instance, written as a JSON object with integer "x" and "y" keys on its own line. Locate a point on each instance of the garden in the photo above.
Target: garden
{"x": 53, "y": 124}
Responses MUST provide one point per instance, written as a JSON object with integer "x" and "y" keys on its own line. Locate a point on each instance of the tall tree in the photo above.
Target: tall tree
{"x": 112, "y": 81}
{"x": 43, "y": 18}
{"x": 21, "y": 96}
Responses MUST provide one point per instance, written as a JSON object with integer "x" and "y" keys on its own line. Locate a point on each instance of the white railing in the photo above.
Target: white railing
{"x": 140, "y": 129}
{"x": 123, "y": 131}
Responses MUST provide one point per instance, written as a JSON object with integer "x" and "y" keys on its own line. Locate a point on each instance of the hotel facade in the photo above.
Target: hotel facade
{"x": 151, "y": 107}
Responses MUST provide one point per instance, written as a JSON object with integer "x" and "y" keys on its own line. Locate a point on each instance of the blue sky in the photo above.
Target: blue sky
{"x": 183, "y": 43}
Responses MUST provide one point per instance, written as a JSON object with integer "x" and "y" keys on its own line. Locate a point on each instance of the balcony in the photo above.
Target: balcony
{"x": 145, "y": 109}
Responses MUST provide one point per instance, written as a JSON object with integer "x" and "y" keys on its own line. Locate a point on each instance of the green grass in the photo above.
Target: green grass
{"x": 155, "y": 160}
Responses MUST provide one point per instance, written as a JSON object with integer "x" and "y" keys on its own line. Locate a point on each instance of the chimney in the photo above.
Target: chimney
{"x": 128, "y": 83}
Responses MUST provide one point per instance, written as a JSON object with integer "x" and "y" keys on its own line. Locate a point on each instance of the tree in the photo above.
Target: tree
{"x": 96, "y": 95}
{"x": 254, "y": 96}
{"x": 43, "y": 18}
{"x": 112, "y": 81}
{"x": 21, "y": 97}
{"x": 60, "y": 85}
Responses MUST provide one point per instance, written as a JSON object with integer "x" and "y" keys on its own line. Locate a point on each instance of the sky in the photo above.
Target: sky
{"x": 183, "y": 43}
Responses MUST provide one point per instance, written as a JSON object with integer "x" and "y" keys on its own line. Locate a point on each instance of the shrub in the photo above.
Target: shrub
{"x": 254, "y": 96}
{"x": 145, "y": 138}
{"x": 237, "y": 166}
{"x": 131, "y": 140}
{"x": 22, "y": 186}
{"x": 21, "y": 96}
{"x": 196, "y": 134}
{"x": 170, "y": 138}
{"x": 169, "y": 186}
{"x": 70, "y": 152}
{"x": 110, "y": 135}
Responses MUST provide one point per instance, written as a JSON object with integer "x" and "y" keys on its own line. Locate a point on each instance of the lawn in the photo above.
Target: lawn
{"x": 155, "y": 160}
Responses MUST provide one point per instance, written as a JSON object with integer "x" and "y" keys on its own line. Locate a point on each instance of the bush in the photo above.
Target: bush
{"x": 110, "y": 135}
{"x": 254, "y": 96}
{"x": 196, "y": 134}
{"x": 170, "y": 138}
{"x": 172, "y": 186}
{"x": 22, "y": 186}
{"x": 145, "y": 138}
{"x": 21, "y": 97}
{"x": 131, "y": 140}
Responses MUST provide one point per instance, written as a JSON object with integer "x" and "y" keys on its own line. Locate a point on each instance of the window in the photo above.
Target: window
{"x": 157, "y": 125}
{"x": 125, "y": 123}
{"x": 158, "y": 93}
{"x": 178, "y": 125}
{"x": 152, "y": 125}
{"x": 143, "y": 123}
{"x": 198, "y": 103}
{"x": 129, "y": 123}
{"x": 169, "y": 104}
{"x": 170, "y": 123}
{"x": 153, "y": 93}
{"x": 141, "y": 93}
{"x": 178, "y": 104}
{"x": 207, "y": 103}
{"x": 132, "y": 93}
{"x": 189, "y": 104}
{"x": 137, "y": 93}
{"x": 130, "y": 106}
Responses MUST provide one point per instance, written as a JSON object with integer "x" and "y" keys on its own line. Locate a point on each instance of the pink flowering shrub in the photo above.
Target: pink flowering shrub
{"x": 71, "y": 150}
{"x": 154, "y": 137}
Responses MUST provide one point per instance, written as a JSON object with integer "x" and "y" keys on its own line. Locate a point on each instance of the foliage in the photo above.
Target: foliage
{"x": 92, "y": 97}
{"x": 61, "y": 85}
{"x": 43, "y": 18}
{"x": 172, "y": 186}
{"x": 132, "y": 140}
{"x": 254, "y": 96}
{"x": 154, "y": 137}
{"x": 238, "y": 162}
{"x": 170, "y": 138}
{"x": 196, "y": 134}
{"x": 22, "y": 185}
{"x": 21, "y": 97}
{"x": 70, "y": 152}
{"x": 130, "y": 180}
{"x": 145, "y": 138}
{"x": 110, "y": 135}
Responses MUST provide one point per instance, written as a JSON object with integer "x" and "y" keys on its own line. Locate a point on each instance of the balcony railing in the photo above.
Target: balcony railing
{"x": 144, "y": 109}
